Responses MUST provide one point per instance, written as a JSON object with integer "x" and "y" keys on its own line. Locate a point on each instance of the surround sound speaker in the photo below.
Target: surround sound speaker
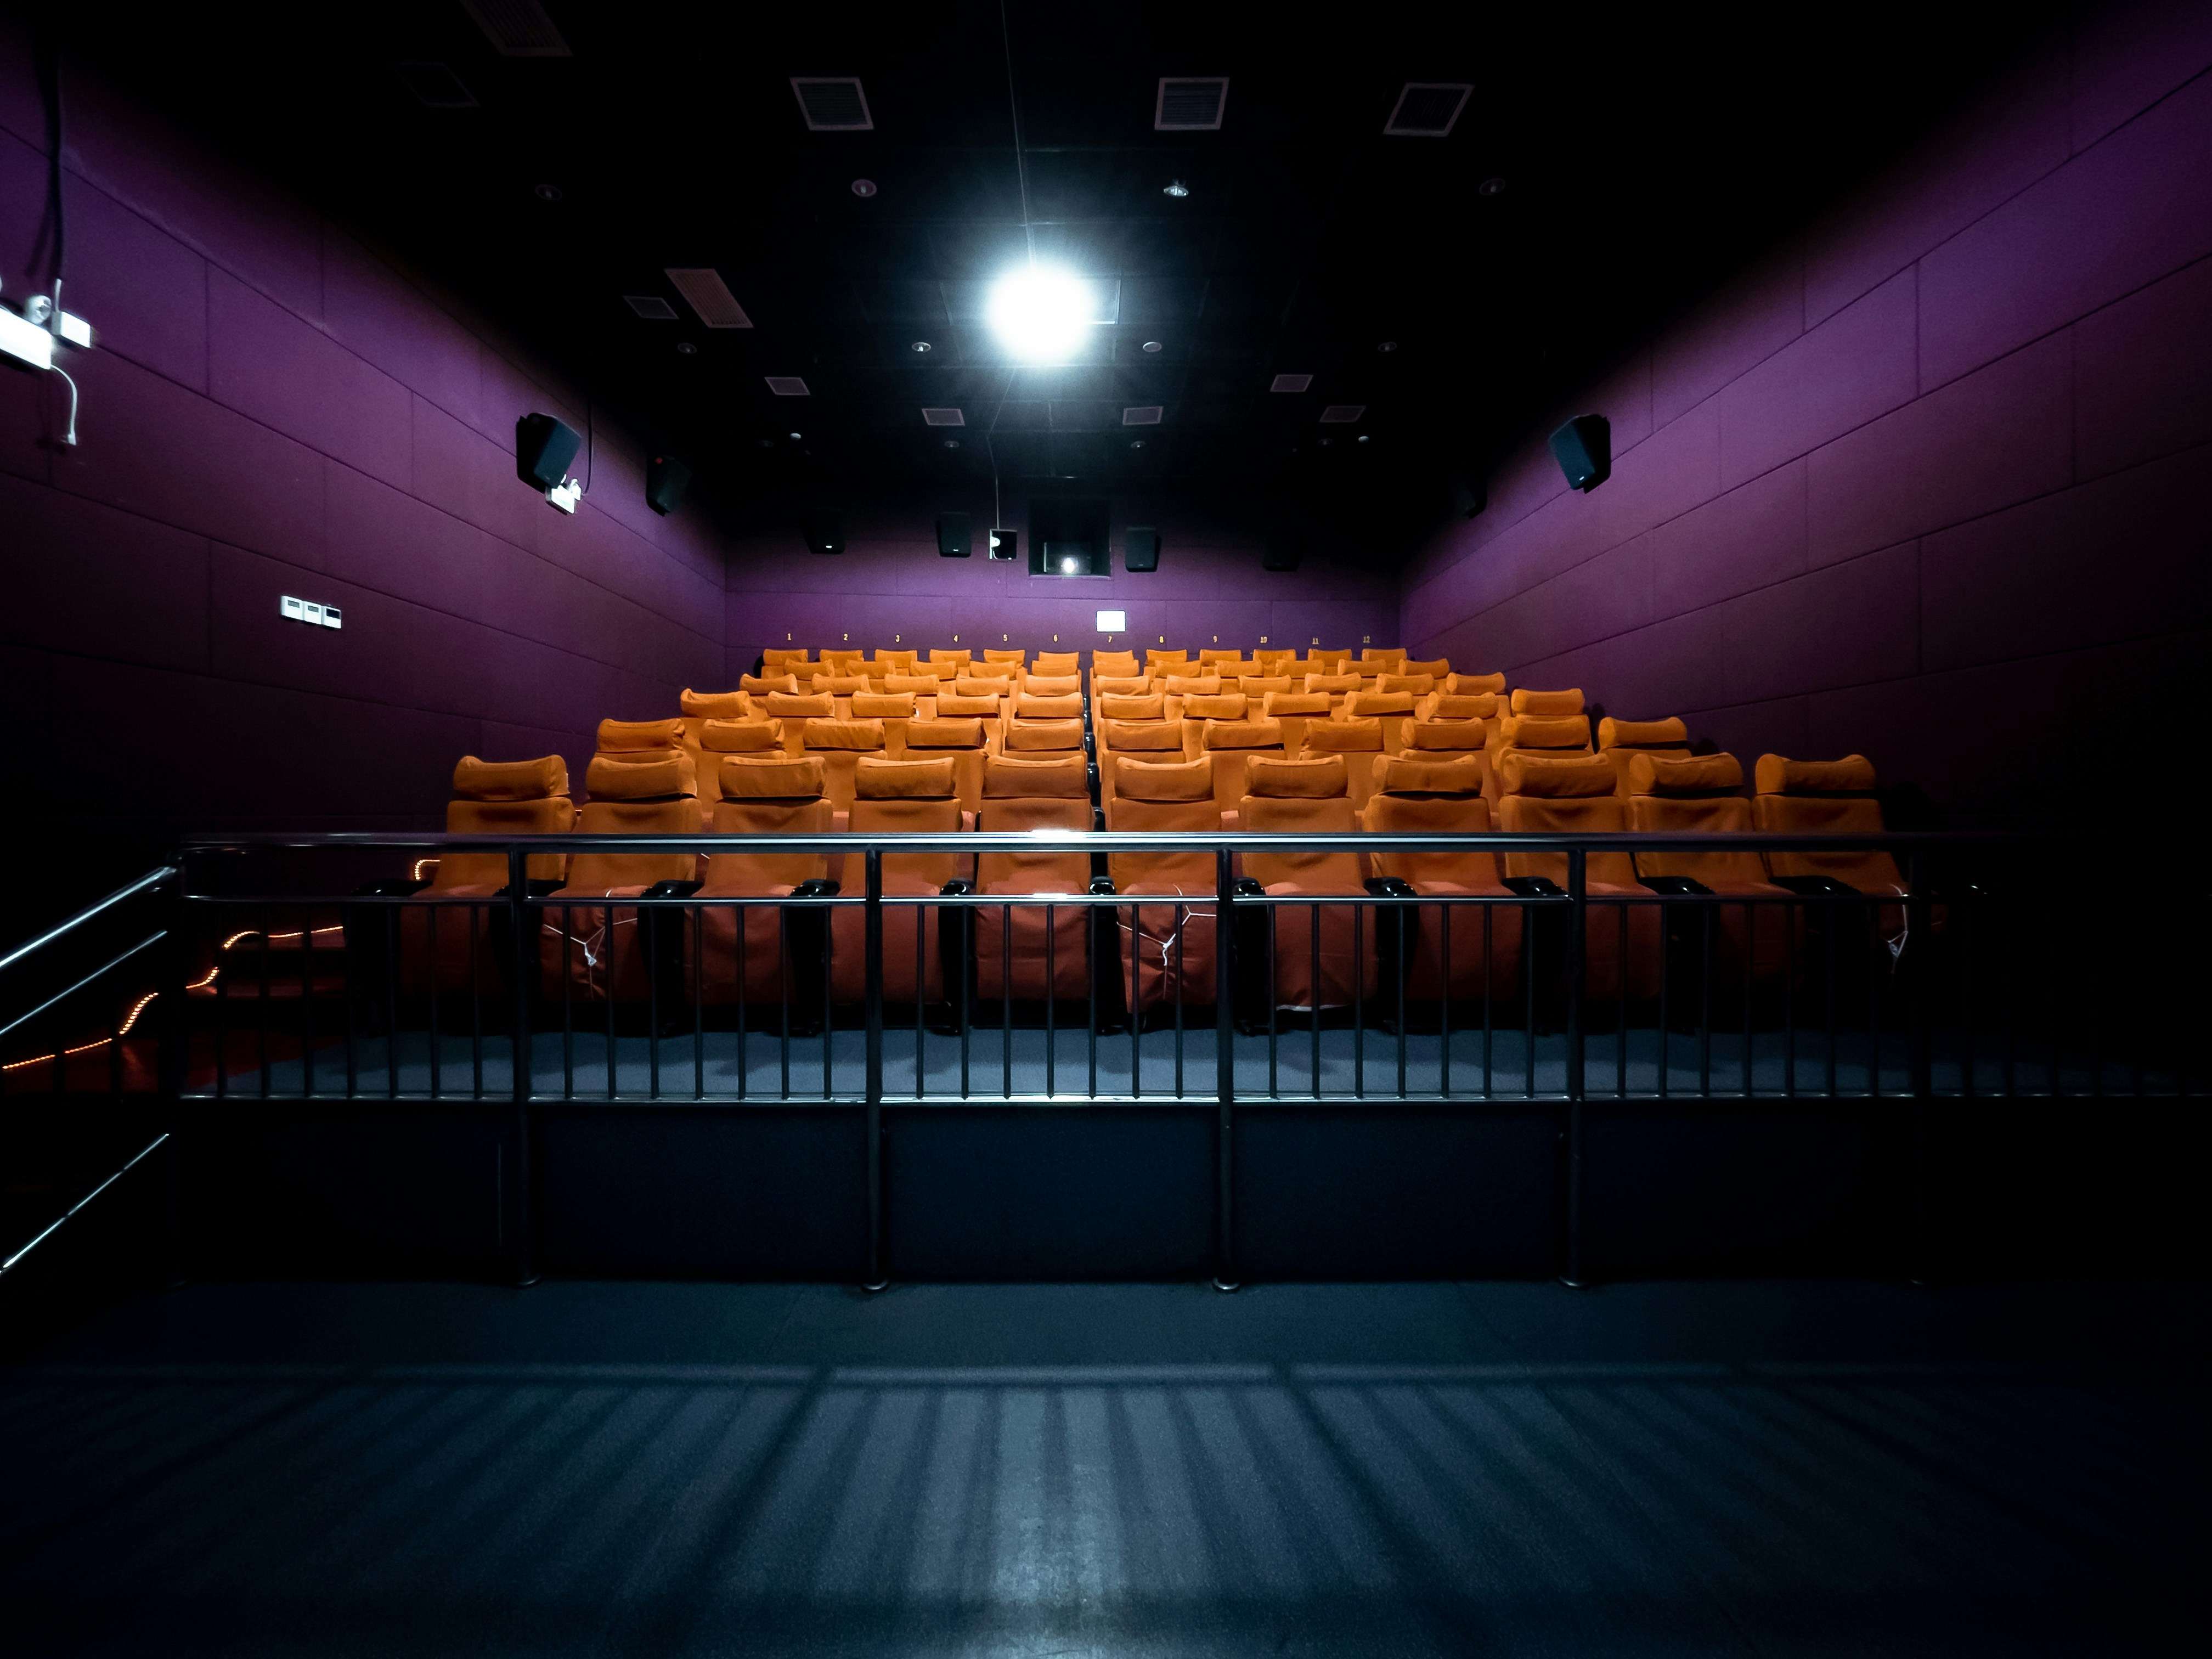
{"x": 1584, "y": 449}
{"x": 825, "y": 533}
{"x": 952, "y": 536}
{"x": 1005, "y": 543}
{"x": 542, "y": 449}
{"x": 666, "y": 478}
{"x": 1140, "y": 549}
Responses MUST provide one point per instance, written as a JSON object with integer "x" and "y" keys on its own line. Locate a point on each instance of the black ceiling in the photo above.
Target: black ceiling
{"x": 1643, "y": 151}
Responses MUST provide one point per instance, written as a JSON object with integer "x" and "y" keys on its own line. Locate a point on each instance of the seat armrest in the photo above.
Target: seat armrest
{"x": 959, "y": 886}
{"x": 672, "y": 889}
{"x": 1535, "y": 887}
{"x": 1388, "y": 887}
{"x": 399, "y": 887}
{"x": 1248, "y": 887}
{"x": 820, "y": 887}
{"x": 1102, "y": 886}
{"x": 1676, "y": 887}
{"x": 1810, "y": 886}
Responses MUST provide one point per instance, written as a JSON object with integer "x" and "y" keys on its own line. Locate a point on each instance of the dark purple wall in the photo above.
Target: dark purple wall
{"x": 890, "y": 582}
{"x": 1932, "y": 484}
{"x": 272, "y": 409}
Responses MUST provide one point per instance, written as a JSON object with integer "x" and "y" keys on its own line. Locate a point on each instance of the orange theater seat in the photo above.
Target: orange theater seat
{"x": 1064, "y": 706}
{"x": 1456, "y": 706}
{"x": 955, "y": 658}
{"x": 952, "y": 706}
{"x": 1562, "y": 793}
{"x": 896, "y": 710}
{"x": 1275, "y": 663}
{"x": 1323, "y": 661}
{"x": 842, "y": 688}
{"x": 1160, "y": 664}
{"x": 1418, "y": 685}
{"x": 1120, "y": 685}
{"x": 1437, "y": 740}
{"x": 1037, "y": 684}
{"x": 1394, "y": 709}
{"x": 1167, "y": 952}
{"x": 759, "y": 685}
{"x": 1152, "y": 742}
{"x": 1550, "y": 704}
{"x": 1384, "y": 660}
{"x": 1358, "y": 743}
{"x": 1323, "y": 956}
{"x": 1823, "y": 798}
{"x": 1228, "y": 746}
{"x": 1621, "y": 741}
{"x": 1149, "y": 706}
{"x": 842, "y": 745}
{"x": 458, "y": 948}
{"x": 1444, "y": 946}
{"x": 1335, "y": 686}
{"x": 1294, "y": 711}
{"x": 1261, "y": 685}
{"x": 1200, "y": 709}
{"x": 983, "y": 685}
{"x": 762, "y": 955}
{"x": 593, "y": 952}
{"x": 908, "y": 797}
{"x": 1057, "y": 663}
{"x": 1533, "y": 734}
{"x": 699, "y": 707}
{"x": 779, "y": 659}
{"x": 625, "y": 741}
{"x": 962, "y": 741}
{"x": 893, "y": 662}
{"x": 1437, "y": 668}
{"x": 844, "y": 662}
{"x": 1039, "y": 738}
{"x": 1471, "y": 685}
{"x": 1702, "y": 795}
{"x": 1030, "y": 952}
{"x": 794, "y": 710}
{"x": 1114, "y": 664}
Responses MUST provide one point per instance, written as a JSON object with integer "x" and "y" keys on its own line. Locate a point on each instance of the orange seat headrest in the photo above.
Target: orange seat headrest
{"x": 1777, "y": 775}
{"x": 1383, "y": 654}
{"x": 714, "y": 705}
{"x": 1294, "y": 702}
{"x": 1142, "y": 736}
{"x": 1056, "y": 662}
{"x": 1053, "y": 685}
{"x": 1194, "y": 685}
{"x": 1545, "y": 731}
{"x": 903, "y": 780}
{"x": 1525, "y": 773}
{"x": 665, "y": 778}
{"x": 761, "y": 684}
{"x": 793, "y": 706}
{"x": 1453, "y": 706}
{"x": 1007, "y": 779}
{"x": 1115, "y": 662}
{"x": 1122, "y": 685}
{"x": 1437, "y": 668}
{"x": 1418, "y": 685}
{"x": 1153, "y": 708}
{"x": 1356, "y": 736}
{"x": 1045, "y": 734}
{"x": 1015, "y": 654}
{"x": 1240, "y": 734}
{"x": 942, "y": 733}
{"x": 527, "y": 780}
{"x": 921, "y": 685}
{"x": 1446, "y": 734}
{"x": 840, "y": 685}
{"x": 952, "y": 706}
{"x": 637, "y": 735}
{"x": 936, "y": 655}
{"x": 1695, "y": 775}
{"x": 1066, "y": 707}
{"x": 1526, "y": 701}
{"x": 1382, "y": 703}
{"x": 883, "y": 705}
{"x": 1641, "y": 734}
{"x": 978, "y": 685}
{"x": 864, "y": 735}
{"x": 1261, "y": 685}
{"x": 1405, "y": 774}
{"x": 1155, "y": 659}
{"x": 1221, "y": 706}
{"x": 755, "y": 778}
{"x": 1333, "y": 682}
{"x": 1296, "y": 780}
{"x": 1163, "y": 780}
{"x": 778, "y": 654}
{"x": 1475, "y": 684}
{"x": 741, "y": 737}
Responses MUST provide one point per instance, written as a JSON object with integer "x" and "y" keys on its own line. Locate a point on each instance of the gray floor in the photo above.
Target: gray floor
{"x": 645, "y": 1469}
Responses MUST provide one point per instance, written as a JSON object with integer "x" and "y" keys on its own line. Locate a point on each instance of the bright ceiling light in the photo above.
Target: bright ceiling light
{"x": 1070, "y": 566}
{"x": 1040, "y": 313}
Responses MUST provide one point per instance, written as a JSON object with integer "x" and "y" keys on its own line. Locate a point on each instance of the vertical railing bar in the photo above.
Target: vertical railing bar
{"x": 830, "y": 986}
{"x": 1529, "y": 1001}
{"x": 1489, "y": 996}
{"x": 1359, "y": 1005}
{"x": 920, "y": 979}
{"x": 1313, "y": 989}
{"x": 607, "y": 994}
{"x": 1444, "y": 1002}
{"x": 1275, "y": 1084}
{"x": 437, "y": 1050}
{"x": 745, "y": 925}
{"x": 1092, "y": 953}
{"x": 1620, "y": 1030}
{"x": 173, "y": 1059}
{"x": 520, "y": 1192}
{"x": 1224, "y": 1074}
{"x": 967, "y": 998}
{"x": 650, "y": 930}
{"x": 1829, "y": 928}
{"x": 390, "y": 999}
{"x": 873, "y": 946}
{"x": 696, "y": 938}
{"x": 1051, "y": 993}
{"x": 1577, "y": 938}
{"x": 568, "y": 997}
{"x": 1789, "y": 1000}
{"x": 1407, "y": 913}
{"x": 479, "y": 918}
{"x": 1006, "y": 1000}
{"x": 1705, "y": 1002}
{"x": 1136, "y": 1025}
{"x": 1669, "y": 933}
{"x": 1750, "y": 949}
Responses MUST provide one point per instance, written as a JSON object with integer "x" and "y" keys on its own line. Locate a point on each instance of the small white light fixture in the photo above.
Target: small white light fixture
{"x": 1175, "y": 188}
{"x": 686, "y": 348}
{"x": 918, "y": 345}
{"x": 1490, "y": 187}
{"x": 1040, "y": 313}
{"x": 795, "y": 436}
{"x": 864, "y": 188}
{"x": 1069, "y": 567}
{"x": 1152, "y": 345}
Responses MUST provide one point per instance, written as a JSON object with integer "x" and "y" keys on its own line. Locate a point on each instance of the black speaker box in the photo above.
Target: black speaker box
{"x": 1005, "y": 543}
{"x": 825, "y": 533}
{"x": 1141, "y": 547}
{"x": 952, "y": 537}
{"x": 1584, "y": 449}
{"x": 666, "y": 478}
{"x": 542, "y": 449}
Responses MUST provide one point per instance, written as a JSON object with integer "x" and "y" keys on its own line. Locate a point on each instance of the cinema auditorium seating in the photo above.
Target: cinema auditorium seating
{"x": 1447, "y": 951}
{"x": 1166, "y": 953}
{"x": 1201, "y": 710}
{"x": 1294, "y": 711}
{"x": 1555, "y": 735}
{"x": 1394, "y": 710}
{"x": 752, "y": 954}
{"x": 842, "y": 746}
{"x": 1322, "y": 956}
{"x": 843, "y": 662}
{"x": 593, "y": 952}
{"x": 908, "y": 797}
{"x": 1030, "y": 953}
{"x": 1057, "y": 664}
{"x": 1620, "y": 742}
{"x": 1447, "y": 739}
{"x": 1228, "y": 746}
{"x": 1822, "y": 798}
{"x": 1557, "y": 793}
{"x": 1703, "y": 795}
{"x": 892, "y": 710}
{"x": 1152, "y": 742}
{"x": 961, "y": 740}
{"x": 1337, "y": 687}
{"x": 1361, "y": 743}
{"x": 439, "y": 949}
{"x": 794, "y": 709}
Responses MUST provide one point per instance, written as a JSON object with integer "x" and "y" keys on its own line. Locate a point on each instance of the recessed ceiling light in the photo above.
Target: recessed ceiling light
{"x": 1069, "y": 567}
{"x": 1151, "y": 345}
{"x": 686, "y": 348}
{"x": 1364, "y": 437}
{"x": 918, "y": 345}
{"x": 952, "y": 443}
{"x": 547, "y": 192}
{"x": 1175, "y": 188}
{"x": 1490, "y": 187}
{"x": 1290, "y": 383}
{"x": 1040, "y": 313}
{"x": 794, "y": 436}
{"x": 1324, "y": 442}
{"x": 864, "y": 188}
{"x": 1388, "y": 345}
{"x": 1136, "y": 443}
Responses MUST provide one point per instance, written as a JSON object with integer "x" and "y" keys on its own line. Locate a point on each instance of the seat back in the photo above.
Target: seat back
{"x": 1174, "y": 797}
{"x": 1534, "y": 734}
{"x": 1383, "y": 658}
{"x": 1823, "y": 798}
{"x": 892, "y": 662}
{"x": 1039, "y": 738}
{"x": 1023, "y": 795}
{"x": 1559, "y": 793}
{"x": 794, "y": 709}
{"x": 505, "y": 798}
{"x": 1228, "y": 746}
{"x": 1327, "y": 660}
{"x": 894, "y": 710}
{"x": 1553, "y": 704}
{"x": 781, "y": 659}
{"x": 1621, "y": 741}
{"x": 1120, "y": 685}
{"x": 1702, "y": 795}
{"x": 957, "y": 658}
{"x": 1288, "y": 796}
{"x": 1457, "y": 705}
{"x": 1335, "y": 686}
{"x": 962, "y": 741}
{"x": 1158, "y": 664}
{"x": 954, "y": 706}
{"x": 1357, "y": 742}
{"x": 1448, "y": 740}
{"x": 658, "y": 797}
{"x": 1475, "y": 685}
{"x": 1057, "y": 663}
{"x": 768, "y": 794}
{"x": 1415, "y": 795}
{"x": 842, "y": 745}
{"x": 1416, "y": 685}
{"x": 907, "y": 797}
{"x": 1115, "y": 664}
{"x": 1276, "y": 664}
{"x": 843, "y": 662}
{"x": 759, "y": 685}
{"x": 1066, "y": 706}
{"x": 698, "y": 707}
{"x": 1201, "y": 709}
{"x": 1294, "y": 711}
{"x": 1129, "y": 710}
{"x": 718, "y": 739}
{"x": 1394, "y": 709}
{"x": 1437, "y": 668}
{"x": 1256, "y": 686}
{"x": 1152, "y": 742}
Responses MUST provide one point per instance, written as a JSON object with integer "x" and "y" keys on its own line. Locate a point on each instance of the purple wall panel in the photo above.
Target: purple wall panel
{"x": 139, "y": 588}
{"x": 1970, "y": 487}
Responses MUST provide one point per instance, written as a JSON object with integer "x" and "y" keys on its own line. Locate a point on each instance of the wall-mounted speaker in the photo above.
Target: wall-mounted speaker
{"x": 1005, "y": 543}
{"x": 825, "y": 533}
{"x": 542, "y": 449}
{"x": 1140, "y": 549}
{"x": 1584, "y": 449}
{"x": 952, "y": 539}
{"x": 666, "y": 478}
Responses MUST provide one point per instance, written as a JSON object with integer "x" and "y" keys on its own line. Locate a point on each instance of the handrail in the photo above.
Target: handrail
{"x": 153, "y": 877}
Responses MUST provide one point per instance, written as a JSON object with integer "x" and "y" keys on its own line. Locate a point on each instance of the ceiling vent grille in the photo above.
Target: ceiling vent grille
{"x": 704, "y": 290}
{"x": 436, "y": 86}
{"x": 1147, "y": 414}
{"x": 1190, "y": 105}
{"x": 942, "y": 417}
{"x": 1427, "y": 109}
{"x": 518, "y": 28}
{"x": 832, "y": 103}
{"x": 1290, "y": 383}
{"x": 1342, "y": 414}
{"x": 786, "y": 385}
{"x": 651, "y": 307}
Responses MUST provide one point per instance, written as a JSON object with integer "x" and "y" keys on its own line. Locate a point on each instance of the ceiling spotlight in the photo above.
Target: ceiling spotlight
{"x": 547, "y": 192}
{"x": 687, "y": 349}
{"x": 1490, "y": 187}
{"x": 1177, "y": 188}
{"x": 918, "y": 345}
{"x": 1040, "y": 313}
{"x": 1069, "y": 567}
{"x": 864, "y": 188}
{"x": 1136, "y": 443}
{"x": 1363, "y": 437}
{"x": 1388, "y": 345}
{"x": 1324, "y": 442}
{"x": 951, "y": 443}
{"x": 1151, "y": 345}
{"x": 794, "y": 436}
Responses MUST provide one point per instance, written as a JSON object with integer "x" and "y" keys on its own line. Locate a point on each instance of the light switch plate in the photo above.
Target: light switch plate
{"x": 332, "y": 617}
{"x": 311, "y": 614}
{"x": 295, "y": 609}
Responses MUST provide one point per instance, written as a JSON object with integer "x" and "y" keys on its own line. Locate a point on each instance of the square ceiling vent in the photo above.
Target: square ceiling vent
{"x": 517, "y": 28}
{"x": 1144, "y": 415}
{"x": 706, "y": 293}
{"x": 942, "y": 417}
{"x": 1342, "y": 414}
{"x": 651, "y": 307}
{"x": 833, "y": 103}
{"x": 1427, "y": 109}
{"x": 1290, "y": 383}
{"x": 786, "y": 385}
{"x": 1190, "y": 104}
